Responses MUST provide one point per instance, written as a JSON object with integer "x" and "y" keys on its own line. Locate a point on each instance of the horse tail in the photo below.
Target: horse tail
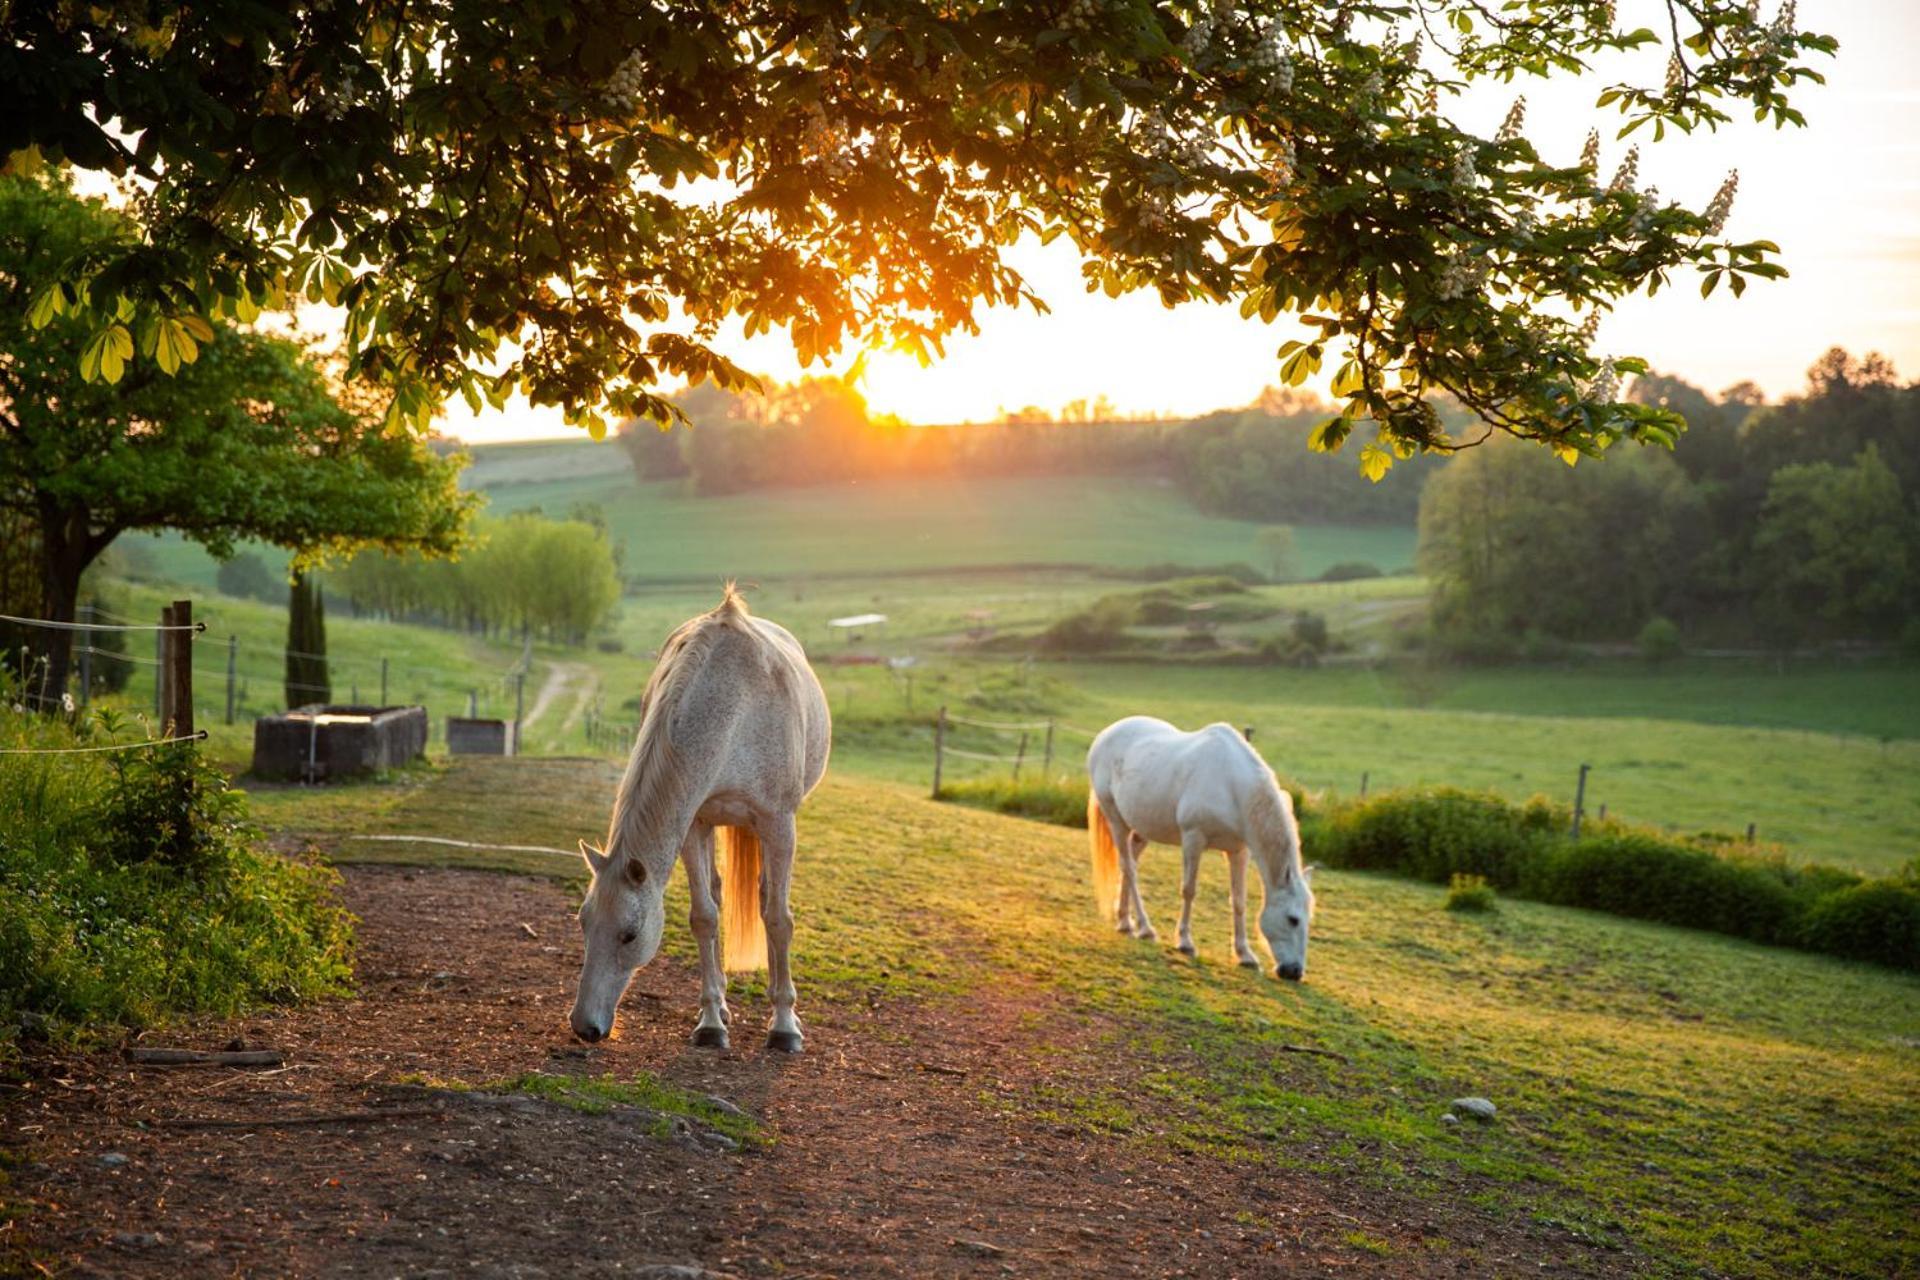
{"x": 1106, "y": 858}
{"x": 743, "y": 935}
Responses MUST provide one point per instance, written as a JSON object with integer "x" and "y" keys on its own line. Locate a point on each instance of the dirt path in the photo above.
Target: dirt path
{"x": 912, "y": 1139}
{"x": 559, "y": 676}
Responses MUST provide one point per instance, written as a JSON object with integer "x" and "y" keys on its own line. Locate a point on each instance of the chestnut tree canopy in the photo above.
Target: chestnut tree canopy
{"x": 570, "y": 199}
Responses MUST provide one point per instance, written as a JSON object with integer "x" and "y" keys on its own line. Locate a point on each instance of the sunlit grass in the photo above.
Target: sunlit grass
{"x": 1715, "y": 1103}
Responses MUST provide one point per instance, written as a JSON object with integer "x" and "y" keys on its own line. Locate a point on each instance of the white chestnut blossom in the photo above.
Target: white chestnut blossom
{"x": 1590, "y": 327}
{"x": 623, "y": 88}
{"x": 1464, "y": 273}
{"x": 1465, "y": 176}
{"x": 1515, "y": 121}
{"x": 1081, "y": 15}
{"x": 1606, "y": 383}
{"x": 1643, "y": 214}
{"x": 1590, "y": 154}
{"x": 1628, "y": 174}
{"x": 1722, "y": 204}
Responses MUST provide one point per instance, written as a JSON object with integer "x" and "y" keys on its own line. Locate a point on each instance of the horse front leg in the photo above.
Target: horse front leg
{"x": 1237, "y": 870}
{"x": 777, "y": 841}
{"x": 703, "y": 916}
{"x": 1130, "y": 885}
{"x": 1192, "y": 846}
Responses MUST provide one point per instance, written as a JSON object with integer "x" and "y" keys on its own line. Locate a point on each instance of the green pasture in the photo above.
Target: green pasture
{"x": 1710, "y": 1104}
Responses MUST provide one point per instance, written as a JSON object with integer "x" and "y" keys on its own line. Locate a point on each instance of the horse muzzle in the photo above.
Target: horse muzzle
{"x": 1290, "y": 972}
{"x": 588, "y": 1030}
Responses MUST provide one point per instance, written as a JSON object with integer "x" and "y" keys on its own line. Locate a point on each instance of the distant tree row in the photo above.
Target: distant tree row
{"x": 1250, "y": 463}
{"x": 525, "y": 574}
{"x": 1788, "y": 525}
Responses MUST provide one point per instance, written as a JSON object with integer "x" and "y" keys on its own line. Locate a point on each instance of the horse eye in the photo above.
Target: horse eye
{"x": 626, "y": 939}
{"x": 1294, "y": 921}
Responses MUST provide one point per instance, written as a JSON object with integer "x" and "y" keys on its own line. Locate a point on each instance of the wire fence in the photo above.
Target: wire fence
{"x": 201, "y": 736}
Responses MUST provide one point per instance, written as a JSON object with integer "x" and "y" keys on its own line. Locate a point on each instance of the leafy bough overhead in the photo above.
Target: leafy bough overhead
{"x": 571, "y": 199}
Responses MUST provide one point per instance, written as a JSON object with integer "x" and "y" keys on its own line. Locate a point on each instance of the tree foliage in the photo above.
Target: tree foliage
{"x": 572, "y": 199}
{"x": 250, "y": 440}
{"x": 523, "y": 573}
{"x": 1792, "y": 523}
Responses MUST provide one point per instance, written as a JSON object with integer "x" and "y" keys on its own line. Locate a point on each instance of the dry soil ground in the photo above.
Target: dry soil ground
{"x": 904, "y": 1142}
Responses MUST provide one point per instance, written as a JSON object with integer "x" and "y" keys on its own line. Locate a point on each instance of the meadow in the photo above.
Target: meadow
{"x": 1658, "y": 1089}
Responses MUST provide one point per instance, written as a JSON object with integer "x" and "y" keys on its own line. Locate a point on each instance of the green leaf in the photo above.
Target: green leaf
{"x": 1329, "y": 435}
{"x": 1375, "y": 462}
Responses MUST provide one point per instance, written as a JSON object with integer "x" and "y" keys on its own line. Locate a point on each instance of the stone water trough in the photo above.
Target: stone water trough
{"x": 321, "y": 742}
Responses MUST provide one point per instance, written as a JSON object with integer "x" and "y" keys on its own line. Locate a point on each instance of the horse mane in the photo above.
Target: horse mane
{"x": 1270, "y": 813}
{"x": 654, "y": 770}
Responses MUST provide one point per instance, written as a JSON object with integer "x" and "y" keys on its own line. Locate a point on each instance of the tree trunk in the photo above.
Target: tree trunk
{"x": 68, "y": 544}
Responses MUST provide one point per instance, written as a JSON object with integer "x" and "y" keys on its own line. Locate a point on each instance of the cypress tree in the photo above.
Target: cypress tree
{"x": 306, "y": 644}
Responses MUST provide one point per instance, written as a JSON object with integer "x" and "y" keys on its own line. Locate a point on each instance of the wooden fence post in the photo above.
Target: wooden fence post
{"x": 383, "y": 681}
{"x": 1046, "y": 770}
{"x": 233, "y": 658}
{"x": 1363, "y": 784}
{"x": 1019, "y": 755}
{"x": 939, "y": 748}
{"x": 179, "y": 710}
{"x": 160, "y": 665}
{"x": 1579, "y": 799}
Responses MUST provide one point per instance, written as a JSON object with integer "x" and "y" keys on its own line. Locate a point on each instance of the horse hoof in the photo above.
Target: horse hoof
{"x": 1248, "y": 962}
{"x": 1187, "y": 949}
{"x": 1147, "y": 935}
{"x": 710, "y": 1037}
{"x": 783, "y": 1041}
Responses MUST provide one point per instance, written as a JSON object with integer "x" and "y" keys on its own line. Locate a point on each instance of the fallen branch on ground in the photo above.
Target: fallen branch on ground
{"x": 156, "y": 1057}
{"x": 1320, "y": 1053}
{"x": 283, "y": 1122}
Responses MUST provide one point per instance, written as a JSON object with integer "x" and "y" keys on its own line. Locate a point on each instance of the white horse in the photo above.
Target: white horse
{"x": 1202, "y": 790}
{"x": 734, "y": 733}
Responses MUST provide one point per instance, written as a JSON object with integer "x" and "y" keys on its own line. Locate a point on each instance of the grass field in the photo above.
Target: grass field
{"x": 1824, "y": 760}
{"x": 1714, "y": 1105}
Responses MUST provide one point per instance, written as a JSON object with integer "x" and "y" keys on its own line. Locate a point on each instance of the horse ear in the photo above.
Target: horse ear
{"x": 597, "y": 859}
{"x": 1308, "y": 870}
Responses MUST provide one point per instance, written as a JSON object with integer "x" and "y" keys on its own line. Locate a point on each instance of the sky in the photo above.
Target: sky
{"x": 1841, "y": 198}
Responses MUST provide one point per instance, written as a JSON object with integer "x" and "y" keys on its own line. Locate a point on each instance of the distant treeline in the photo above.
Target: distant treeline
{"x": 1784, "y": 525}
{"x": 1250, "y": 463}
{"x": 525, "y": 574}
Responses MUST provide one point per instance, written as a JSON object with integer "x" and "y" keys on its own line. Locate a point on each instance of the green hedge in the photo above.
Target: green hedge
{"x": 1524, "y": 851}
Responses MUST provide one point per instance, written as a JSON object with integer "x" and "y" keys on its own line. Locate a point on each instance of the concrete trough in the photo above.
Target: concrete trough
{"x": 471, "y": 736}
{"x": 317, "y": 743}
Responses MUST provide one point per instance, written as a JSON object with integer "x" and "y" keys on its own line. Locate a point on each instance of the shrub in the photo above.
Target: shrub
{"x": 1469, "y": 893}
{"x": 1659, "y": 641}
{"x": 1878, "y": 921}
{"x": 1309, "y": 631}
{"x": 120, "y": 910}
{"x": 1061, "y": 801}
{"x": 247, "y": 577}
{"x": 1525, "y": 851}
{"x": 1350, "y": 571}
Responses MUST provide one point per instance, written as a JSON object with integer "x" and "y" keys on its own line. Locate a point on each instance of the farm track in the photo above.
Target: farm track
{"x": 912, "y": 1139}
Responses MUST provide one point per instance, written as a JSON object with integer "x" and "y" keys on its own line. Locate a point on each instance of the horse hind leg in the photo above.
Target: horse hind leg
{"x": 1130, "y": 885}
{"x": 703, "y": 917}
{"x": 777, "y": 840}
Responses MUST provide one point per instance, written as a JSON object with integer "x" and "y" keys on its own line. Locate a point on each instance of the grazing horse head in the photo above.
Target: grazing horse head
{"x": 621, "y": 920}
{"x": 1288, "y": 911}
{"x": 1285, "y": 919}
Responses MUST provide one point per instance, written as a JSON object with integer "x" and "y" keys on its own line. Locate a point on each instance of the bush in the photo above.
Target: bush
{"x": 1659, "y": 641}
{"x": 119, "y": 909}
{"x": 1061, "y": 801}
{"x": 1525, "y": 851}
{"x": 1310, "y": 631}
{"x": 1878, "y": 921}
{"x": 1350, "y": 571}
{"x": 1469, "y": 893}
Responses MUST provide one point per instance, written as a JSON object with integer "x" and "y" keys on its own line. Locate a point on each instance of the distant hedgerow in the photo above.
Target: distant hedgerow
{"x": 1526, "y": 851}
